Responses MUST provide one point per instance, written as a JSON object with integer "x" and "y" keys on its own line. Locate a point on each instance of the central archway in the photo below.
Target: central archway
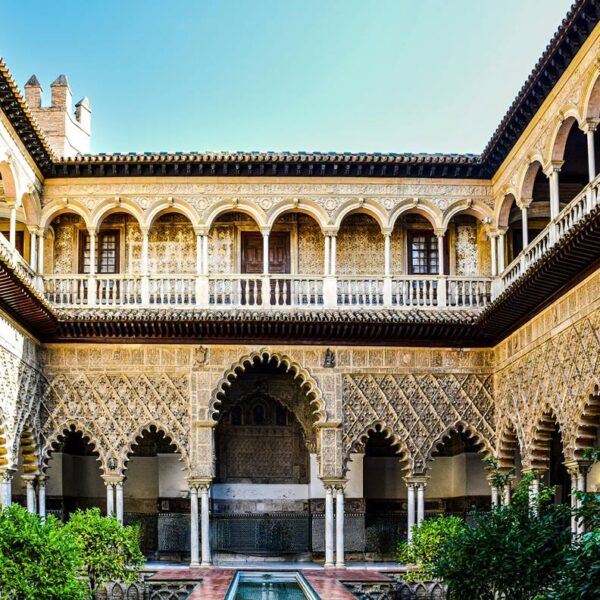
{"x": 266, "y": 486}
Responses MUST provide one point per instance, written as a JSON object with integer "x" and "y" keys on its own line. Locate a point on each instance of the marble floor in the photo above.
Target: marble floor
{"x": 214, "y": 582}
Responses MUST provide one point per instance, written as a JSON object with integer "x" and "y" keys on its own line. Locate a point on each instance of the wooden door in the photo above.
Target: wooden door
{"x": 279, "y": 262}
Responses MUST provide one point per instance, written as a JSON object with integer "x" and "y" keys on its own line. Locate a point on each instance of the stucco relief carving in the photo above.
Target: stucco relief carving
{"x": 556, "y": 378}
{"x": 417, "y": 410}
{"x": 112, "y": 409}
{"x": 467, "y": 260}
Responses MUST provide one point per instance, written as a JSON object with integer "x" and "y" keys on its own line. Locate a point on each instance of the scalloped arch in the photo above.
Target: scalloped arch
{"x": 359, "y": 442}
{"x": 71, "y": 425}
{"x": 423, "y": 207}
{"x": 507, "y": 444}
{"x": 306, "y": 380}
{"x": 459, "y": 427}
{"x": 307, "y": 207}
{"x": 585, "y": 430}
{"x": 59, "y": 207}
{"x": 161, "y": 207}
{"x": 537, "y": 447}
{"x": 139, "y": 432}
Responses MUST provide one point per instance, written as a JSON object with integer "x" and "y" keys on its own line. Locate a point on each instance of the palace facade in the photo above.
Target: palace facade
{"x": 300, "y": 354}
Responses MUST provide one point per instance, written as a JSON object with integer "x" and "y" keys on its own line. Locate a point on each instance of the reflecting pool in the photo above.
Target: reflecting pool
{"x": 271, "y": 585}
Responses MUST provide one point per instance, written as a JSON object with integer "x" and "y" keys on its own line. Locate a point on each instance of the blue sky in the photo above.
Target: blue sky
{"x": 342, "y": 75}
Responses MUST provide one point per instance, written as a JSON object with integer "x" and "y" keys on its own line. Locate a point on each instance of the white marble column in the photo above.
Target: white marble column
{"x": 205, "y": 253}
{"x": 92, "y": 271}
{"x": 329, "y": 526}
{"x": 40, "y": 254}
{"x": 501, "y": 252}
{"x": 387, "y": 254}
{"x": 590, "y": 128}
{"x": 507, "y": 493}
{"x": 552, "y": 174}
{"x": 420, "y": 502}
{"x": 12, "y": 235}
{"x": 199, "y": 265}
{"x": 410, "y": 509}
{"x": 534, "y": 493}
{"x": 494, "y": 496}
{"x": 333, "y": 258}
{"x": 119, "y": 501}
{"x": 440, "y": 241}
{"x": 525, "y": 225}
{"x": 265, "y": 235}
{"x": 205, "y": 524}
{"x": 144, "y": 263}
{"x": 30, "y": 487}
{"x": 581, "y": 485}
{"x": 33, "y": 250}
{"x": 6, "y": 488}
{"x": 110, "y": 498}
{"x": 494, "y": 248}
{"x": 339, "y": 527}
{"x": 327, "y": 255}
{"x": 194, "y": 546}
{"x": 42, "y": 496}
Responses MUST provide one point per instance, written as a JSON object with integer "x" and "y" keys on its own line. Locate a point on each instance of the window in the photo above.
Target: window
{"x": 259, "y": 415}
{"x": 423, "y": 253}
{"x": 281, "y": 415}
{"x": 19, "y": 240}
{"x": 236, "y": 415}
{"x": 107, "y": 252}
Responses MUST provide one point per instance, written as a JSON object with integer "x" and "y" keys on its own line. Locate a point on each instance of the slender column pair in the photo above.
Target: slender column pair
{"x": 200, "y": 528}
{"x": 114, "y": 497}
{"x": 578, "y": 471}
{"x": 337, "y": 490}
{"x": 415, "y": 487}
{"x": 6, "y": 487}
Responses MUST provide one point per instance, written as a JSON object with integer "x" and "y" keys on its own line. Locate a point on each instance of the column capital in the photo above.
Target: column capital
{"x": 145, "y": 230}
{"x": 589, "y": 125}
{"x": 112, "y": 479}
{"x": 265, "y": 229}
{"x": 416, "y": 479}
{"x": 387, "y": 231}
{"x": 199, "y": 483}
{"x": 577, "y": 466}
{"x": 330, "y": 231}
{"x": 92, "y": 231}
{"x": 440, "y": 232}
{"x": 200, "y": 230}
{"x": 553, "y": 166}
{"x": 524, "y": 203}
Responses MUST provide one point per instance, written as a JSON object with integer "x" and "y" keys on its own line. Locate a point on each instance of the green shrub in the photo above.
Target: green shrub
{"x": 427, "y": 539}
{"x": 108, "y": 551}
{"x": 510, "y": 552}
{"x": 38, "y": 560}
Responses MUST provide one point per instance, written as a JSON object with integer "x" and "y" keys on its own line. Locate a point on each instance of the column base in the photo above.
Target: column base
{"x": 206, "y": 564}
{"x": 340, "y": 565}
{"x": 329, "y": 566}
{"x": 194, "y": 565}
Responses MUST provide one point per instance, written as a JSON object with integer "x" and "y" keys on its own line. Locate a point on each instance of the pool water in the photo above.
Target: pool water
{"x": 270, "y": 586}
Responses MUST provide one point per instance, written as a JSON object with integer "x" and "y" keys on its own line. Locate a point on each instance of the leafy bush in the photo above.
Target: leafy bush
{"x": 38, "y": 560}
{"x": 427, "y": 539}
{"x": 510, "y": 552}
{"x": 108, "y": 551}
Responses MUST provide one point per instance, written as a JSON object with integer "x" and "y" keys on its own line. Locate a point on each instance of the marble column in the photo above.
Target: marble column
{"x": 420, "y": 502}
{"x": 30, "y": 487}
{"x": 6, "y": 487}
{"x": 339, "y": 527}
{"x": 110, "y": 498}
{"x": 42, "y": 496}
{"x": 387, "y": 257}
{"x": 119, "y": 501}
{"x": 33, "y": 250}
{"x": 534, "y": 493}
{"x": 327, "y": 255}
{"x": 194, "y": 546}
{"x": 144, "y": 267}
{"x": 40, "y": 253}
{"x": 92, "y": 271}
{"x": 494, "y": 248}
{"x": 265, "y": 252}
{"x": 329, "y": 526}
{"x": 501, "y": 252}
{"x": 12, "y": 235}
{"x": 205, "y": 524}
{"x": 552, "y": 174}
{"x": 494, "y": 496}
{"x": 590, "y": 128}
{"x": 525, "y": 225}
{"x": 410, "y": 509}
{"x": 333, "y": 257}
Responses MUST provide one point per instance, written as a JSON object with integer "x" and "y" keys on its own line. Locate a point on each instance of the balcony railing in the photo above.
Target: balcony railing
{"x": 567, "y": 219}
{"x": 282, "y": 291}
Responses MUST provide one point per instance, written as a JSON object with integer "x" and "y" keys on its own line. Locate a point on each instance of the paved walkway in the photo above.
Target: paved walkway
{"x": 215, "y": 581}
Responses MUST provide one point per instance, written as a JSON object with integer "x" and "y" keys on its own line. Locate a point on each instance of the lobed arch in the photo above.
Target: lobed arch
{"x": 3, "y": 446}
{"x": 460, "y": 426}
{"x": 117, "y": 205}
{"x": 366, "y": 207}
{"x": 167, "y": 432}
{"x": 507, "y": 445}
{"x": 557, "y": 141}
{"x": 378, "y": 426}
{"x": 30, "y": 451}
{"x": 475, "y": 208}
{"x": 73, "y": 426}
{"x": 162, "y": 207}
{"x": 59, "y": 207}
{"x": 425, "y": 208}
{"x": 504, "y": 207}
{"x": 306, "y": 381}
{"x": 528, "y": 175}
{"x": 306, "y": 207}
{"x": 243, "y": 206}
{"x": 537, "y": 447}
{"x": 585, "y": 430}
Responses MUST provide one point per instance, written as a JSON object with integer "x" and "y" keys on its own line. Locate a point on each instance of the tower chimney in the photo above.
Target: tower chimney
{"x": 33, "y": 92}
{"x": 83, "y": 114}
